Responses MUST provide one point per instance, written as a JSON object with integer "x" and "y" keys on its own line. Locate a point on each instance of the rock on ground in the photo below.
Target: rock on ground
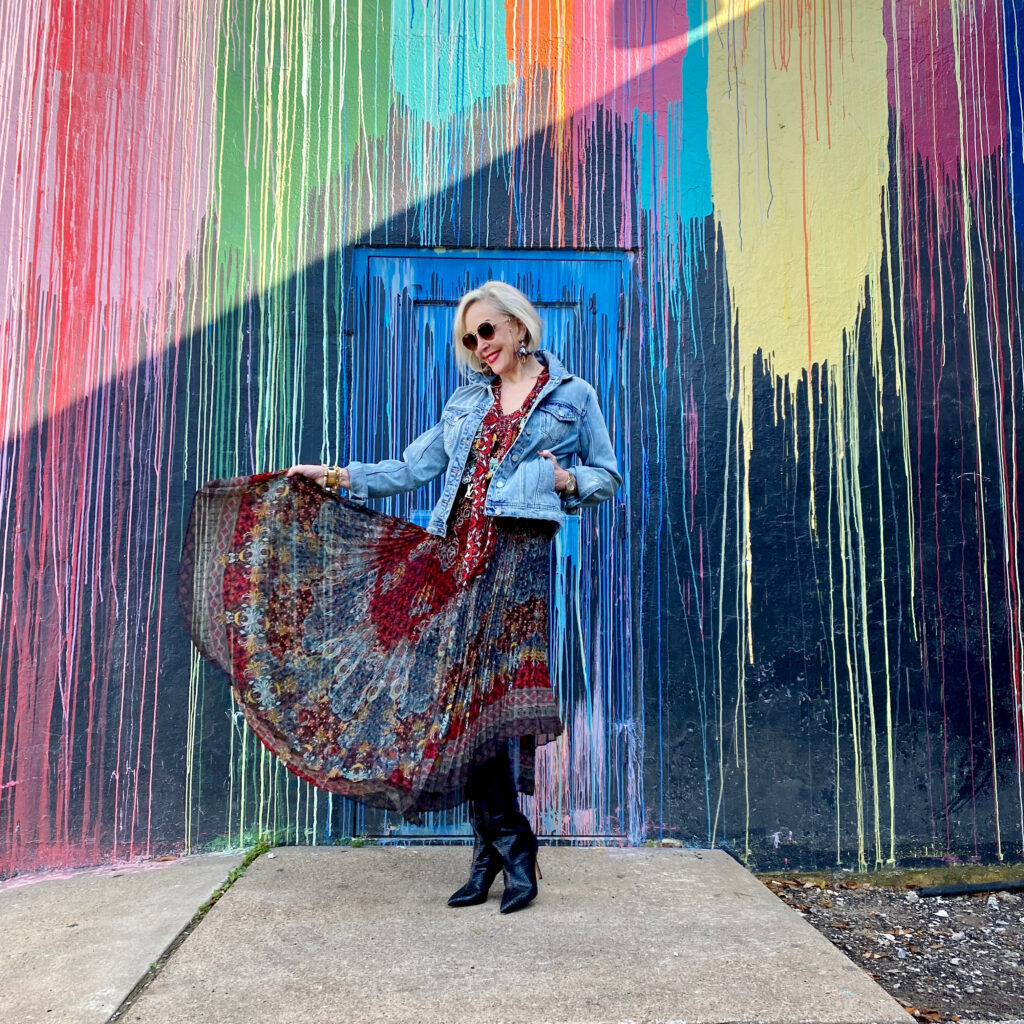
{"x": 953, "y": 958}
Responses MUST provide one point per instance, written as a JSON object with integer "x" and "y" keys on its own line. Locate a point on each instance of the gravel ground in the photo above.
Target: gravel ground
{"x": 945, "y": 958}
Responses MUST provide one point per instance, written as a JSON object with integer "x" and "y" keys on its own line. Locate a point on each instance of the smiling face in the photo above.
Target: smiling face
{"x": 499, "y": 352}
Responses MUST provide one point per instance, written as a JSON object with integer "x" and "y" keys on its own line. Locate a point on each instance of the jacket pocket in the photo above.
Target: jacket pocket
{"x": 533, "y": 484}
{"x": 546, "y": 490}
{"x": 552, "y": 423}
{"x": 452, "y": 422}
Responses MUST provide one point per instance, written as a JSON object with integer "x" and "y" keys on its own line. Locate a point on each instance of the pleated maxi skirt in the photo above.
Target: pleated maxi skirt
{"x": 353, "y": 652}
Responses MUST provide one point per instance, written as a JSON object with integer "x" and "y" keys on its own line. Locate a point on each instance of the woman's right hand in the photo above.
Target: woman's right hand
{"x": 318, "y": 474}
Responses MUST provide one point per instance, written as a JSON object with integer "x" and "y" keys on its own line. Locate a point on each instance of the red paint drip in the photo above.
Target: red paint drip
{"x": 102, "y": 209}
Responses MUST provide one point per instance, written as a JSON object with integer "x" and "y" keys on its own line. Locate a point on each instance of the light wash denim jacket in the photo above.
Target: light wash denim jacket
{"x": 566, "y": 420}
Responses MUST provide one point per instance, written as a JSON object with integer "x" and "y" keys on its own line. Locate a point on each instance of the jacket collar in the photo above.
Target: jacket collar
{"x": 556, "y": 371}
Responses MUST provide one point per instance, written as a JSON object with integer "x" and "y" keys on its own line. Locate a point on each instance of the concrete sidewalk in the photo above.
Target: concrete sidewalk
{"x": 338, "y": 935}
{"x": 74, "y": 945}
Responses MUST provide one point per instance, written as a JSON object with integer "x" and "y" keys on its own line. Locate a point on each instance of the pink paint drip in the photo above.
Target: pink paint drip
{"x": 601, "y": 57}
{"x": 951, "y": 131}
{"x": 639, "y": 48}
{"x": 110, "y": 165}
{"x": 922, "y": 78}
{"x": 109, "y": 161}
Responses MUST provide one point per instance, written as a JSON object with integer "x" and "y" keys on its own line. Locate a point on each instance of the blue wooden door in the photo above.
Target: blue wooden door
{"x": 402, "y": 308}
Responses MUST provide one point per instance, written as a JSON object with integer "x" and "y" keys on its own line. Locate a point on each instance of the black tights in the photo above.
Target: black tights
{"x": 493, "y": 802}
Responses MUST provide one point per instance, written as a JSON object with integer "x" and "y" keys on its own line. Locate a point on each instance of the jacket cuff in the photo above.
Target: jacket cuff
{"x": 585, "y": 486}
{"x": 357, "y": 488}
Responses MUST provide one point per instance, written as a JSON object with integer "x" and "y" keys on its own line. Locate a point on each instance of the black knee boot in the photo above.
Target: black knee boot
{"x": 519, "y": 862}
{"x": 486, "y": 861}
{"x": 509, "y": 832}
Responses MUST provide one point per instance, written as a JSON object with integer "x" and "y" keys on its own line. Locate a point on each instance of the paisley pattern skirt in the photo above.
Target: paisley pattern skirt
{"x": 353, "y": 652}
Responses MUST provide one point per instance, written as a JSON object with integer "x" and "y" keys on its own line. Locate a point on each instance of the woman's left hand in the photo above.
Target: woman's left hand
{"x": 561, "y": 475}
{"x": 318, "y": 474}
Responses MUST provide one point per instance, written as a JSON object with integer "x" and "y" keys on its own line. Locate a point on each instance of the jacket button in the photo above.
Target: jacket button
{"x": 515, "y": 458}
{"x": 501, "y": 483}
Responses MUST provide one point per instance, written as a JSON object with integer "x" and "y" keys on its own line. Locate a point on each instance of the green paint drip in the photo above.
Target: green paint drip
{"x": 300, "y": 87}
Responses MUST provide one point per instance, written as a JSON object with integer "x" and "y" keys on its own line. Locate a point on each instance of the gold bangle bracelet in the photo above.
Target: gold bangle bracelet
{"x": 332, "y": 477}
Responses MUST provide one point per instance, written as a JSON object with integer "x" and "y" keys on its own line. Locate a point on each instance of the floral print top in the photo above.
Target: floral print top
{"x": 474, "y": 531}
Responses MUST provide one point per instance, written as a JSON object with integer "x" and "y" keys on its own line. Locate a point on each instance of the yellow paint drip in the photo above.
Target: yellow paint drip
{"x": 798, "y": 140}
{"x": 799, "y": 178}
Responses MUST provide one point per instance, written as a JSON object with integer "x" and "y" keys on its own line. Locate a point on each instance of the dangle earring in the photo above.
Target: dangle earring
{"x": 522, "y": 352}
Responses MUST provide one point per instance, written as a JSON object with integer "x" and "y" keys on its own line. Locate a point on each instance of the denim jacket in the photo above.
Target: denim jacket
{"x": 566, "y": 420}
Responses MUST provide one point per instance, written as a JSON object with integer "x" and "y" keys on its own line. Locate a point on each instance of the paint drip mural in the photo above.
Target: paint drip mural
{"x": 779, "y": 237}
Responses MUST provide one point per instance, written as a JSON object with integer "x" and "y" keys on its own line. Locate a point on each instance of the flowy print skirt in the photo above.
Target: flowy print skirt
{"x": 353, "y": 652}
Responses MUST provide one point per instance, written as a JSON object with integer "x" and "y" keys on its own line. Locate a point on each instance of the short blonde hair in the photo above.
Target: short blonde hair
{"x": 505, "y": 299}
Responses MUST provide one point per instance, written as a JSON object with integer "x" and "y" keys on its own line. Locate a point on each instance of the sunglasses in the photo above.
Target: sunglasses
{"x": 484, "y": 331}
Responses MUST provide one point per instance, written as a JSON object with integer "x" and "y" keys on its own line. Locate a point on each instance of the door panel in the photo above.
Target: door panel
{"x": 402, "y": 371}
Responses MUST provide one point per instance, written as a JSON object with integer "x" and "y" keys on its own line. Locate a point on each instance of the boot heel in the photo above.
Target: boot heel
{"x": 519, "y": 862}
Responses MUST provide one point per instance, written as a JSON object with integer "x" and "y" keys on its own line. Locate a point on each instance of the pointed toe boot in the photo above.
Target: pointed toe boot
{"x": 496, "y": 817}
{"x": 519, "y": 862}
{"x": 486, "y": 865}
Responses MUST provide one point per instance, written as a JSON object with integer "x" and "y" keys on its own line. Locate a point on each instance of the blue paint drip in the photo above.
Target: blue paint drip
{"x": 694, "y": 174}
{"x": 1014, "y": 38}
{"x": 404, "y": 302}
{"x": 471, "y": 34}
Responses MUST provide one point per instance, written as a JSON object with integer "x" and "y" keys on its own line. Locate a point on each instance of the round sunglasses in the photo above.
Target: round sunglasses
{"x": 484, "y": 330}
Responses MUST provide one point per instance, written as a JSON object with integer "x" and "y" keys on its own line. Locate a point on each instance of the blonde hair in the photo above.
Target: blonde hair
{"x": 505, "y": 299}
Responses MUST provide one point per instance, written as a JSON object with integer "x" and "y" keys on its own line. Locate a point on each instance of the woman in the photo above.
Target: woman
{"x": 392, "y": 664}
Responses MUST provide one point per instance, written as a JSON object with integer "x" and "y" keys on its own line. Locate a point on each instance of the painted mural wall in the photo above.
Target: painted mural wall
{"x": 817, "y": 379}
